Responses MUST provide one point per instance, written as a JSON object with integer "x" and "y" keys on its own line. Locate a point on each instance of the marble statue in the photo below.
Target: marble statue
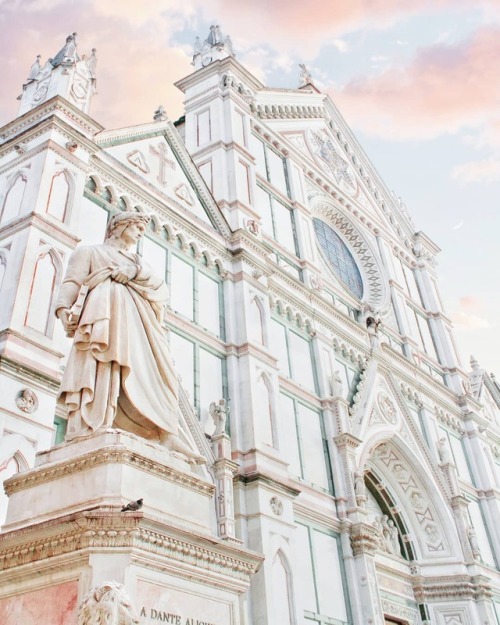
{"x": 27, "y": 401}
{"x": 360, "y": 488}
{"x": 392, "y": 539}
{"x": 474, "y": 543}
{"x": 219, "y": 412}
{"x": 443, "y": 451}
{"x": 336, "y": 386}
{"x": 119, "y": 371}
{"x": 305, "y": 77}
{"x": 107, "y": 604}
{"x": 372, "y": 325}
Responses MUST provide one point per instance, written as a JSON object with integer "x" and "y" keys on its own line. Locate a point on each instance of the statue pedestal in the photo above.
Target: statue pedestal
{"x": 65, "y": 534}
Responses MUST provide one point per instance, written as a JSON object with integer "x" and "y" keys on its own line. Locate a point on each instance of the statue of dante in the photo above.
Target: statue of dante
{"x": 119, "y": 371}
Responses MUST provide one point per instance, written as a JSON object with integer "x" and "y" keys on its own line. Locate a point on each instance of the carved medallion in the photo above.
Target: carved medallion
{"x": 27, "y": 401}
{"x": 387, "y": 408}
{"x": 276, "y": 506}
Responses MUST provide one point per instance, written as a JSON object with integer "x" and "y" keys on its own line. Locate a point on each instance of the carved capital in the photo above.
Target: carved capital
{"x": 364, "y": 539}
{"x": 347, "y": 440}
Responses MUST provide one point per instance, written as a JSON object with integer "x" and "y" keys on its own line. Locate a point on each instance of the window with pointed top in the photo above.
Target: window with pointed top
{"x": 339, "y": 257}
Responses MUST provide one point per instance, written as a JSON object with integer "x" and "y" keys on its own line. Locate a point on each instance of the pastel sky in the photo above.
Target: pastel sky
{"x": 418, "y": 81}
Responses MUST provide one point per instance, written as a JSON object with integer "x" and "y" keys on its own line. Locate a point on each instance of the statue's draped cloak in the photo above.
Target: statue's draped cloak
{"x": 119, "y": 371}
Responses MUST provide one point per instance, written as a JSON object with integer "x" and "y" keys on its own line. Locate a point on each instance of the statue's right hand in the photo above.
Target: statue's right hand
{"x": 67, "y": 320}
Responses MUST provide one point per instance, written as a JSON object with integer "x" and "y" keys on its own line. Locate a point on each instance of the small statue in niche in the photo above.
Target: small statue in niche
{"x": 474, "y": 543}
{"x": 27, "y": 401}
{"x": 360, "y": 488}
{"x": 378, "y": 525}
{"x": 219, "y": 413}
{"x": 443, "y": 451}
{"x": 336, "y": 386}
{"x": 392, "y": 539}
{"x": 372, "y": 326}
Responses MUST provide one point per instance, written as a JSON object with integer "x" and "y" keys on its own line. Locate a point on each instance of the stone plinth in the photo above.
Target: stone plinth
{"x": 66, "y": 533}
{"x": 110, "y": 469}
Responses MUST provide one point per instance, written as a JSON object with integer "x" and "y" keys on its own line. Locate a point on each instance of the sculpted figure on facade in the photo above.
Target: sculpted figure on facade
{"x": 474, "y": 543}
{"x": 392, "y": 538}
{"x": 443, "y": 451}
{"x": 119, "y": 371}
{"x": 27, "y": 401}
{"x": 336, "y": 386}
{"x": 107, "y": 604}
{"x": 372, "y": 326}
{"x": 305, "y": 77}
{"x": 360, "y": 488}
{"x": 219, "y": 412}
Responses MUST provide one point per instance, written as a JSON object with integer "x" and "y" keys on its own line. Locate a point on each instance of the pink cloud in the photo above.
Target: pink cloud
{"x": 446, "y": 88}
{"x": 468, "y": 322}
{"x": 469, "y": 316}
{"x": 486, "y": 170}
{"x": 469, "y": 302}
{"x": 305, "y": 26}
{"x": 136, "y": 64}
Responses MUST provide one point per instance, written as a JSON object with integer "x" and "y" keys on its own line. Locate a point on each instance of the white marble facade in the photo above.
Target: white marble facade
{"x": 366, "y": 454}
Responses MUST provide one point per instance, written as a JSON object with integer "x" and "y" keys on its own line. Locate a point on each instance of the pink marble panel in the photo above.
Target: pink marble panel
{"x": 55, "y": 605}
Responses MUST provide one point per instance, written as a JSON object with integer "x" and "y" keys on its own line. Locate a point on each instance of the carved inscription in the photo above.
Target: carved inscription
{"x": 160, "y": 616}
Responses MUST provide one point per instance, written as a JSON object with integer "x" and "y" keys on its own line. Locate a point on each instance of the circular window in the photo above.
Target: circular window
{"x": 339, "y": 257}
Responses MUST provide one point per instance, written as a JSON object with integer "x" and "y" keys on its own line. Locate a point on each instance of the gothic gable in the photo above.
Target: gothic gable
{"x": 154, "y": 156}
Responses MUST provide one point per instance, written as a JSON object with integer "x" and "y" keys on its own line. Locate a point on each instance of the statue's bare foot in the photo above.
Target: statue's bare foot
{"x": 175, "y": 445}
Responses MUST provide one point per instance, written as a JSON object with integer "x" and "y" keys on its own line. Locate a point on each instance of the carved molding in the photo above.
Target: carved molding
{"x": 364, "y": 539}
{"x": 98, "y": 530}
{"x": 105, "y": 455}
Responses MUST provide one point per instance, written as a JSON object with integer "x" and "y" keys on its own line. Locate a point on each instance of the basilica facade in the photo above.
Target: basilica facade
{"x": 364, "y": 457}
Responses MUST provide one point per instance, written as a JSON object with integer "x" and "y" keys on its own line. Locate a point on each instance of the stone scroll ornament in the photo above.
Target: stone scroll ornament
{"x": 112, "y": 304}
{"x": 107, "y": 604}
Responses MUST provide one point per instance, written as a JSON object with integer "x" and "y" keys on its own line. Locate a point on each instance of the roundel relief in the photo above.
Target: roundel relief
{"x": 328, "y": 156}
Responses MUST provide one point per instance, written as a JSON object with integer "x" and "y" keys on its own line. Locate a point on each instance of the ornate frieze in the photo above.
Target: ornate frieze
{"x": 84, "y": 532}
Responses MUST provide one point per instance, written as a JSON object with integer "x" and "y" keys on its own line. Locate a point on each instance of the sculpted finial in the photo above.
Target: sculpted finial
{"x": 36, "y": 68}
{"x": 160, "y": 114}
{"x": 305, "y": 77}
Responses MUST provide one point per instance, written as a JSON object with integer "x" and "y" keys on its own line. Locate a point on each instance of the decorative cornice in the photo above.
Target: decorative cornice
{"x": 105, "y": 529}
{"x": 111, "y": 454}
{"x": 55, "y": 104}
{"x": 285, "y": 488}
{"x": 450, "y": 587}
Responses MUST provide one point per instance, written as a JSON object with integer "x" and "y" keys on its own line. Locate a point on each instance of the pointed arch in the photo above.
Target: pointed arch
{"x": 422, "y": 500}
{"x": 46, "y": 276}
{"x": 14, "y": 196}
{"x": 3, "y": 266}
{"x": 283, "y": 607}
{"x": 61, "y": 194}
{"x": 257, "y": 330}
{"x": 266, "y": 411}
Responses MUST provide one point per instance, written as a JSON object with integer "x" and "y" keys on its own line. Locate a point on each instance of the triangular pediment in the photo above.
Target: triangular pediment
{"x": 311, "y": 125}
{"x": 320, "y": 146}
{"x": 154, "y": 156}
{"x": 378, "y": 406}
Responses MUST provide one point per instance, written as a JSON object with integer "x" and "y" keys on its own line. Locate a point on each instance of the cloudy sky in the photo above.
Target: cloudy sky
{"x": 418, "y": 81}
